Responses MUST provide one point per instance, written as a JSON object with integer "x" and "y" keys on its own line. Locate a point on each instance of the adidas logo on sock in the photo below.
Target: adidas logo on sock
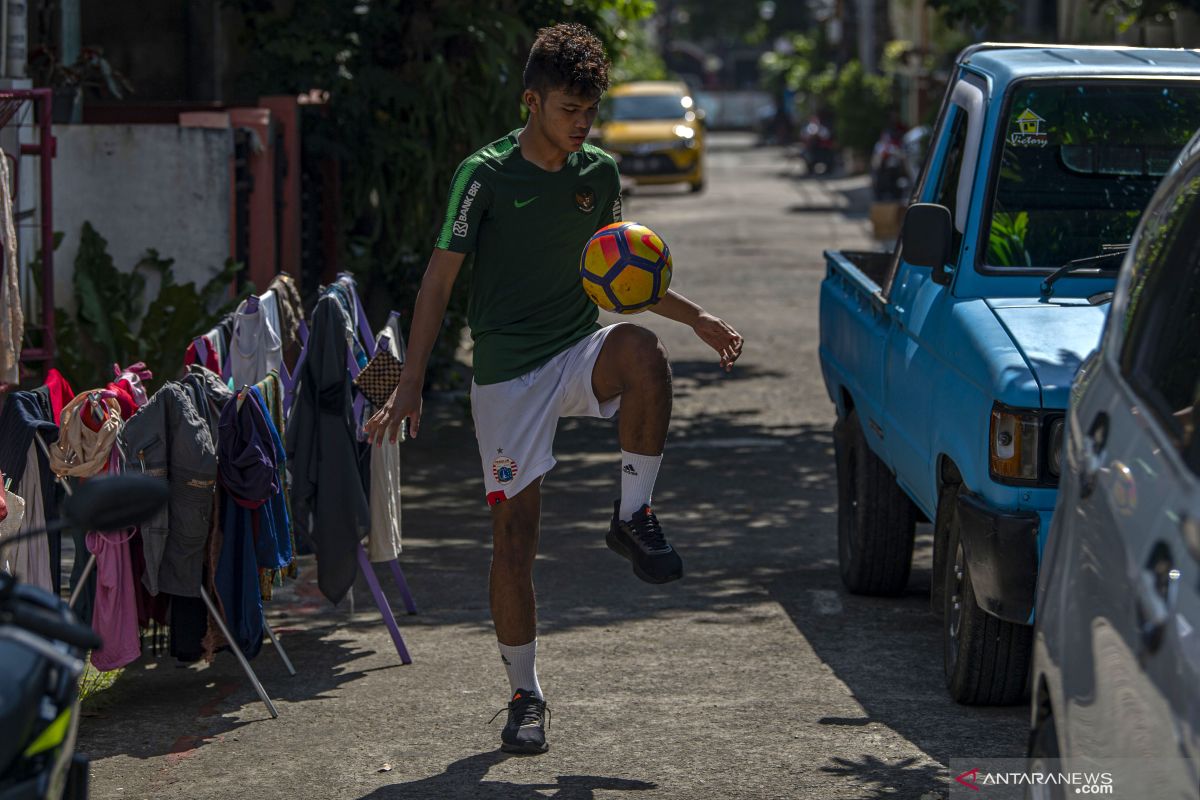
{"x": 507, "y": 663}
{"x": 629, "y": 470}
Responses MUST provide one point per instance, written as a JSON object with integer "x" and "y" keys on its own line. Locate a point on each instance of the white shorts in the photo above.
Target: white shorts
{"x": 515, "y": 421}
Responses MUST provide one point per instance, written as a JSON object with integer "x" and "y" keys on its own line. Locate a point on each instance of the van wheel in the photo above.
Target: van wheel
{"x": 876, "y": 519}
{"x": 986, "y": 659}
{"x": 696, "y": 186}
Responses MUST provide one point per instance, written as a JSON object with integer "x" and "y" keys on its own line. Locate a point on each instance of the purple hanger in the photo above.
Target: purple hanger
{"x": 364, "y": 328}
{"x": 201, "y": 345}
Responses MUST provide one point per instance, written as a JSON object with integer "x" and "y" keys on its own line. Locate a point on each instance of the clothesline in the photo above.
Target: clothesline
{"x": 282, "y": 390}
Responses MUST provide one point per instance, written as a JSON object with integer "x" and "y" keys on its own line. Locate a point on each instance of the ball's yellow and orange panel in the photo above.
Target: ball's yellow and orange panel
{"x": 601, "y": 254}
{"x": 597, "y": 295}
{"x": 633, "y": 285}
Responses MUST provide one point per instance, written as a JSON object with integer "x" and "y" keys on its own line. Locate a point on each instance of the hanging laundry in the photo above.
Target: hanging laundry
{"x": 59, "y": 392}
{"x": 12, "y": 318}
{"x": 209, "y": 394}
{"x": 291, "y": 310}
{"x": 22, "y": 460}
{"x": 203, "y": 351}
{"x": 248, "y": 450}
{"x": 10, "y": 526}
{"x": 168, "y": 438}
{"x": 270, "y": 390}
{"x": 383, "y": 543}
{"x": 90, "y": 424}
{"x": 255, "y": 349}
{"x": 221, "y": 335}
{"x": 129, "y": 387}
{"x": 114, "y": 614}
{"x": 30, "y": 558}
{"x": 329, "y": 504}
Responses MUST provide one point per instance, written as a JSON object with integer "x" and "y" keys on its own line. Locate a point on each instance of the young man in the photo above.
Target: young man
{"x": 526, "y": 205}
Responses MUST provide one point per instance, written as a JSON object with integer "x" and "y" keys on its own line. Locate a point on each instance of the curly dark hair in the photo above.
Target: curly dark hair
{"x": 569, "y": 57}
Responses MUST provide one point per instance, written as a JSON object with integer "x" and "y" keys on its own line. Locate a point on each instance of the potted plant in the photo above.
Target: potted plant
{"x": 90, "y": 70}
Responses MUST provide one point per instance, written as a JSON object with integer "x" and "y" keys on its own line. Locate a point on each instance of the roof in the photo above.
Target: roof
{"x": 1006, "y": 62}
{"x": 655, "y": 87}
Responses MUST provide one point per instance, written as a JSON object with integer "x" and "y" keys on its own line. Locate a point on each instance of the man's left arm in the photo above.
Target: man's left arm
{"x": 713, "y": 331}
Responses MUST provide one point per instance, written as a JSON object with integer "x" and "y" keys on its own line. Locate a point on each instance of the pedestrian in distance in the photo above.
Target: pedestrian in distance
{"x": 526, "y": 205}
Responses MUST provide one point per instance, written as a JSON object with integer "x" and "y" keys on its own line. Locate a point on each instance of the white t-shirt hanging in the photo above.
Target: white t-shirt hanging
{"x": 254, "y": 348}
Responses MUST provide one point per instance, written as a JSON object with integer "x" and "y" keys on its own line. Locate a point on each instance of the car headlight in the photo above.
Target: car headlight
{"x": 687, "y": 137}
{"x": 1054, "y": 448}
{"x": 1014, "y": 444}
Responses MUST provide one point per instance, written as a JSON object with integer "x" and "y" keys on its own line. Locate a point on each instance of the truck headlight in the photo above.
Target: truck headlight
{"x": 1054, "y": 448}
{"x": 1014, "y": 444}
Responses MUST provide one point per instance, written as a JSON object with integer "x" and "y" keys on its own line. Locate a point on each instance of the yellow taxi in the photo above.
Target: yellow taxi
{"x": 655, "y": 132}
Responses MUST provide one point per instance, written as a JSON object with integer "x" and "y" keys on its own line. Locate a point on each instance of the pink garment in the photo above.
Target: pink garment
{"x": 114, "y": 615}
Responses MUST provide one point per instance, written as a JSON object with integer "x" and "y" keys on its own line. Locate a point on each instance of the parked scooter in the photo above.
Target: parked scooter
{"x": 889, "y": 175}
{"x": 818, "y": 147}
{"x": 42, "y": 647}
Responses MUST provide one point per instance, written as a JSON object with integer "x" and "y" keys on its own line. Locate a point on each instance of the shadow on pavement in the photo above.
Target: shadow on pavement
{"x": 466, "y": 778}
{"x": 881, "y": 779}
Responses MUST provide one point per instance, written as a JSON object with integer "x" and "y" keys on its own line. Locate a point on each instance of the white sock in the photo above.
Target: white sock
{"x": 519, "y": 662}
{"x": 638, "y": 473}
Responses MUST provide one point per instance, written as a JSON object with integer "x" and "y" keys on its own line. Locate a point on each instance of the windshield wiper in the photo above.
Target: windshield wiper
{"x": 1109, "y": 253}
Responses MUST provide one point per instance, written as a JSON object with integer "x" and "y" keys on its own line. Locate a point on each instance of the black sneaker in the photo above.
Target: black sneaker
{"x": 641, "y": 541}
{"x": 525, "y": 731}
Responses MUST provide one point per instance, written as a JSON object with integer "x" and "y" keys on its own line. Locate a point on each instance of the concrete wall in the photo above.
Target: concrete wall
{"x": 143, "y": 186}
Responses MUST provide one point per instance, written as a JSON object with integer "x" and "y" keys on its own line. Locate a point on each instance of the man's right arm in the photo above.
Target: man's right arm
{"x": 428, "y": 313}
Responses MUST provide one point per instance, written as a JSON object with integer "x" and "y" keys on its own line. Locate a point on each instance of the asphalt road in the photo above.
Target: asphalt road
{"x": 756, "y": 676}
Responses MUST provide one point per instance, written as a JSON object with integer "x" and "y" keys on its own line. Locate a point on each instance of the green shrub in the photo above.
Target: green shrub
{"x": 113, "y": 323}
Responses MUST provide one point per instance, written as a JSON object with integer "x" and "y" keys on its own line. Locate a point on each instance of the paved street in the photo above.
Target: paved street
{"x": 757, "y": 676}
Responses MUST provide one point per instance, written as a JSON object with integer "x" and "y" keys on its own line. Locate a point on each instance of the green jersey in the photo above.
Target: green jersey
{"x": 527, "y": 228}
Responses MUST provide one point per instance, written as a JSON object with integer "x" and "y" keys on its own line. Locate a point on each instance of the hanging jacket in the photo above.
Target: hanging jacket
{"x": 329, "y": 505}
{"x": 169, "y": 438}
{"x": 209, "y": 394}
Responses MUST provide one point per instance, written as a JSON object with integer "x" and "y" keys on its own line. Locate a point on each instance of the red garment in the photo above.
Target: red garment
{"x": 210, "y": 359}
{"x": 125, "y": 399}
{"x": 61, "y": 392}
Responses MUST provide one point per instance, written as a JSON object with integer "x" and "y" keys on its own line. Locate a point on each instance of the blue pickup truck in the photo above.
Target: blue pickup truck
{"x": 950, "y": 359}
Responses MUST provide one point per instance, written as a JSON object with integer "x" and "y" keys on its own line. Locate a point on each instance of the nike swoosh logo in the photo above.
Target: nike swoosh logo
{"x": 517, "y": 203}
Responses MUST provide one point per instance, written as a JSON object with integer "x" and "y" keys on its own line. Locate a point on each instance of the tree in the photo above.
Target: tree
{"x": 974, "y": 13}
{"x": 414, "y": 86}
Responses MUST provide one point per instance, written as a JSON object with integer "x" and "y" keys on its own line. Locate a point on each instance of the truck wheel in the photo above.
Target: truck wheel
{"x": 875, "y": 517}
{"x": 986, "y": 659}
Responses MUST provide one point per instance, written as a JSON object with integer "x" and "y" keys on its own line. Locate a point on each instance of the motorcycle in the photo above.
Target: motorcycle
{"x": 818, "y": 147}
{"x": 43, "y": 646}
{"x": 889, "y": 173}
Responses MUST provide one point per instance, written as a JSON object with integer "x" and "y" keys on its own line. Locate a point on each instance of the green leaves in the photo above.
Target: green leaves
{"x": 113, "y": 324}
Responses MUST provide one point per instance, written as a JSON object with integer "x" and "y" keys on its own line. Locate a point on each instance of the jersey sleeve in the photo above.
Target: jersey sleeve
{"x": 611, "y": 211}
{"x": 469, "y": 198}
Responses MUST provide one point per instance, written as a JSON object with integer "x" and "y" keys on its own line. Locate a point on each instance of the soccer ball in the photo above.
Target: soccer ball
{"x": 625, "y": 268}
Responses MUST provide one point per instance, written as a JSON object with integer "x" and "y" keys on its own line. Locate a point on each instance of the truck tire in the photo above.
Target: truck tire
{"x": 876, "y": 519}
{"x": 986, "y": 659}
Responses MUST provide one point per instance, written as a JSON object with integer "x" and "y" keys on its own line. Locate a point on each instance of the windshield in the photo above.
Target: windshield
{"x": 1080, "y": 163}
{"x": 648, "y": 106}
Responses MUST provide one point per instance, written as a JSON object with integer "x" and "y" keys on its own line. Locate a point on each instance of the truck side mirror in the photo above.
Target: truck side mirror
{"x": 926, "y": 237}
